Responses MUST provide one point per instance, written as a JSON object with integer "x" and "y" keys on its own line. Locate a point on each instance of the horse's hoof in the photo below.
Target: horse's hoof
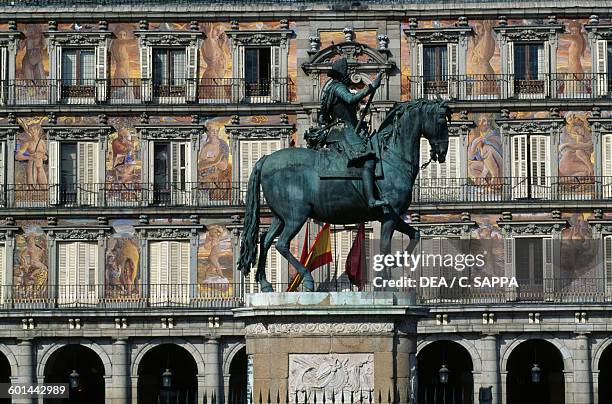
{"x": 267, "y": 288}
{"x": 309, "y": 285}
{"x": 417, "y": 235}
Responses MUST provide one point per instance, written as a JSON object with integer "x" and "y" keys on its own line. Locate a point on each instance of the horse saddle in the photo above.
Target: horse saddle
{"x": 332, "y": 164}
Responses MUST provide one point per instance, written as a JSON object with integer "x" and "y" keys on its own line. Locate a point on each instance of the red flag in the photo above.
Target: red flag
{"x": 355, "y": 261}
{"x": 319, "y": 254}
{"x": 304, "y": 256}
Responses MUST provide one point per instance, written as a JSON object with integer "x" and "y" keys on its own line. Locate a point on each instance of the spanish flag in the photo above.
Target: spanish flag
{"x": 320, "y": 254}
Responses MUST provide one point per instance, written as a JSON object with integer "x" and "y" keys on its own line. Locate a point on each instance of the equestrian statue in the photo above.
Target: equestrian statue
{"x": 345, "y": 176}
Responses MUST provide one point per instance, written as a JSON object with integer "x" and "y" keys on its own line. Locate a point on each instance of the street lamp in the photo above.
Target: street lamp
{"x": 443, "y": 374}
{"x": 73, "y": 379}
{"x": 167, "y": 378}
{"x": 536, "y": 373}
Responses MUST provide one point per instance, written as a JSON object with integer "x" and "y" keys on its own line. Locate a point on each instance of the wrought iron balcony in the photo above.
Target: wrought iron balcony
{"x": 111, "y": 195}
{"x": 509, "y": 189}
{"x": 483, "y": 87}
{"x": 131, "y": 91}
{"x": 232, "y": 294}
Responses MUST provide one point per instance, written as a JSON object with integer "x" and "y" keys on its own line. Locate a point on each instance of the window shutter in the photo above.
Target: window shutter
{"x": 150, "y": 171}
{"x": 453, "y": 69}
{"x": 239, "y": 82}
{"x": 540, "y": 166}
{"x": 543, "y": 65}
{"x": 146, "y": 66}
{"x": 56, "y": 90}
{"x": 606, "y": 160}
{"x": 426, "y": 173}
{"x": 510, "y": 77}
{"x": 274, "y": 268}
{"x": 549, "y": 274}
{"x": 418, "y": 72}
{"x": 519, "y": 166}
{"x": 180, "y": 172}
{"x": 509, "y": 256}
{"x": 608, "y": 265}
{"x": 53, "y": 172}
{"x": 601, "y": 66}
{"x": 191, "y": 73}
{"x": 68, "y": 264}
{"x": 154, "y": 270}
{"x": 2, "y": 271}
{"x": 3, "y": 187}
{"x": 276, "y": 86}
{"x": 62, "y": 276}
{"x": 87, "y": 172}
{"x": 101, "y": 71}
{"x": 250, "y": 152}
{"x": 3, "y": 75}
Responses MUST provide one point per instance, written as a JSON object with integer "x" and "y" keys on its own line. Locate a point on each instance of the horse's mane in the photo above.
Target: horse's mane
{"x": 389, "y": 128}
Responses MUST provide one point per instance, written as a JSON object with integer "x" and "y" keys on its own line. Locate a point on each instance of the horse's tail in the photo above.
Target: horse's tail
{"x": 250, "y": 232}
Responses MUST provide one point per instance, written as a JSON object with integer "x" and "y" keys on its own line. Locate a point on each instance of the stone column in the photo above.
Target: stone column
{"x": 582, "y": 370}
{"x": 120, "y": 390}
{"x": 212, "y": 371}
{"x": 27, "y": 370}
{"x": 490, "y": 367}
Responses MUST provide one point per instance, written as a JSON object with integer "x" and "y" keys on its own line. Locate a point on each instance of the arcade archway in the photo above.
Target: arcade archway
{"x": 605, "y": 375}
{"x": 445, "y": 374}
{"x": 5, "y": 375}
{"x": 238, "y": 378}
{"x": 85, "y": 368}
{"x": 167, "y": 374}
{"x": 528, "y": 383}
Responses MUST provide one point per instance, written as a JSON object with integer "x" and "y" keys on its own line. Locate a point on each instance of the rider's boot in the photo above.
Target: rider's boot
{"x": 368, "y": 177}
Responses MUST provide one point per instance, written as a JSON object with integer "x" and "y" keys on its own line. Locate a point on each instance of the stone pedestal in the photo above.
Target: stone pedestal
{"x": 329, "y": 342}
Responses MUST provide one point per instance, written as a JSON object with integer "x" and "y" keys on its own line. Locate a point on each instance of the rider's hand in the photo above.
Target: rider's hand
{"x": 376, "y": 83}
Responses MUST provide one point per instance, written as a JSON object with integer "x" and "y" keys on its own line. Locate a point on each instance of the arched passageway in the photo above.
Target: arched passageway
{"x": 171, "y": 361}
{"x": 238, "y": 378}
{"x": 86, "y": 368}
{"x": 605, "y": 375}
{"x": 523, "y": 384}
{"x": 5, "y": 375}
{"x": 451, "y": 358}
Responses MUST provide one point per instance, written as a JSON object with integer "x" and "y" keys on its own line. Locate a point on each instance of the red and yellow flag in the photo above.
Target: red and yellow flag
{"x": 320, "y": 254}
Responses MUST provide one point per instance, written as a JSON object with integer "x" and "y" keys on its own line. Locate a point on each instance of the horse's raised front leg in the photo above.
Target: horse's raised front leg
{"x": 410, "y": 231}
{"x": 291, "y": 229}
{"x": 265, "y": 243}
{"x": 386, "y": 234}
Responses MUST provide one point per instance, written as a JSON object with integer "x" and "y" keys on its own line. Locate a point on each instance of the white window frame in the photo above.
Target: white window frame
{"x": 88, "y": 172}
{"x": 607, "y": 269}
{"x": 248, "y": 156}
{"x": 275, "y": 263}
{"x": 86, "y": 258}
{"x": 177, "y": 196}
{"x": 606, "y": 164}
{"x": 518, "y": 171}
{"x": 441, "y": 181}
{"x": 163, "y": 254}
{"x": 548, "y": 279}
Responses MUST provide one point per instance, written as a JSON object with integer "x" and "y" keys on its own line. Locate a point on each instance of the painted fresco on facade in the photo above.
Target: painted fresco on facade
{"x": 123, "y": 159}
{"x": 30, "y": 261}
{"x": 485, "y": 153}
{"x": 31, "y": 163}
{"x": 214, "y": 161}
{"x": 215, "y": 54}
{"x": 578, "y": 251}
{"x": 122, "y": 272}
{"x": 576, "y": 153}
{"x": 124, "y": 52}
{"x": 215, "y": 260}
{"x": 32, "y": 61}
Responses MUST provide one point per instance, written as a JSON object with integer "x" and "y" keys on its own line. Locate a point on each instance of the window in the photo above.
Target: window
{"x": 3, "y": 187}
{"x": 4, "y": 68}
{"x": 169, "y": 72}
{"x": 250, "y": 152}
{"x": 608, "y": 265}
{"x": 437, "y": 69}
{"x": 170, "y": 170}
{"x": 529, "y": 65}
{"x": 606, "y": 162}
{"x": 603, "y": 68}
{"x": 78, "y": 73}
{"x": 533, "y": 266}
{"x": 77, "y": 272}
{"x": 169, "y": 275}
{"x": 440, "y": 181}
{"x": 2, "y": 270}
{"x": 73, "y": 172}
{"x": 261, "y": 73}
{"x": 530, "y": 166}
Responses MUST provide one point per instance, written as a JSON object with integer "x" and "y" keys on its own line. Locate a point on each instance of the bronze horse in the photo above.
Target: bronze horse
{"x": 295, "y": 192}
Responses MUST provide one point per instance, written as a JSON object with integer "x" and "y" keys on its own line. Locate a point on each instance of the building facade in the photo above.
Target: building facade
{"x": 128, "y": 131}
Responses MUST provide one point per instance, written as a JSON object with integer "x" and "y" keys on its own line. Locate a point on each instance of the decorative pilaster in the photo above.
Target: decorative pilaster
{"x": 490, "y": 366}
{"x": 583, "y": 391}
{"x": 120, "y": 392}
{"x": 27, "y": 367}
{"x": 212, "y": 371}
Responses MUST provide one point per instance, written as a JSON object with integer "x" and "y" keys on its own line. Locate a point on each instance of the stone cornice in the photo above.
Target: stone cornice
{"x": 77, "y": 38}
{"x": 532, "y": 227}
{"x": 438, "y": 35}
{"x": 76, "y": 132}
{"x": 88, "y": 233}
{"x": 601, "y": 225}
{"x": 460, "y": 127}
{"x": 599, "y": 31}
{"x": 170, "y": 131}
{"x": 376, "y": 59}
{"x": 601, "y": 124}
{"x": 169, "y": 37}
{"x": 259, "y": 131}
{"x": 268, "y": 37}
{"x": 536, "y": 125}
{"x": 341, "y": 327}
{"x": 8, "y": 38}
{"x": 168, "y": 232}
{"x": 9, "y": 131}
{"x": 445, "y": 228}
{"x": 535, "y": 33}
{"x": 7, "y": 232}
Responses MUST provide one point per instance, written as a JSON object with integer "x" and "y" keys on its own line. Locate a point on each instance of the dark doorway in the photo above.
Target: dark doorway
{"x": 458, "y": 389}
{"x": 89, "y": 367}
{"x": 238, "y": 378}
{"x": 520, "y": 385}
{"x": 5, "y": 376}
{"x": 183, "y": 369}
{"x": 605, "y": 375}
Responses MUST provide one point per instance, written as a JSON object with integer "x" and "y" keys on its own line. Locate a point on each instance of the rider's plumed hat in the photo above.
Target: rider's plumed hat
{"x": 339, "y": 69}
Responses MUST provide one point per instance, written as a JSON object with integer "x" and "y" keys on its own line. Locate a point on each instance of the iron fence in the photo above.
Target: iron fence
{"x": 129, "y": 91}
{"x": 508, "y": 86}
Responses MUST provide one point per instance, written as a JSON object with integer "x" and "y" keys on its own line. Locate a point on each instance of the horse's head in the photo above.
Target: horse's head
{"x": 435, "y": 129}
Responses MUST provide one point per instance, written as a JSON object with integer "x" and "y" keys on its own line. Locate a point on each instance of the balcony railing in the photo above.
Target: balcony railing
{"x": 482, "y": 87}
{"x": 508, "y": 189}
{"x": 129, "y": 91}
{"x": 232, "y": 294}
{"x": 191, "y": 194}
